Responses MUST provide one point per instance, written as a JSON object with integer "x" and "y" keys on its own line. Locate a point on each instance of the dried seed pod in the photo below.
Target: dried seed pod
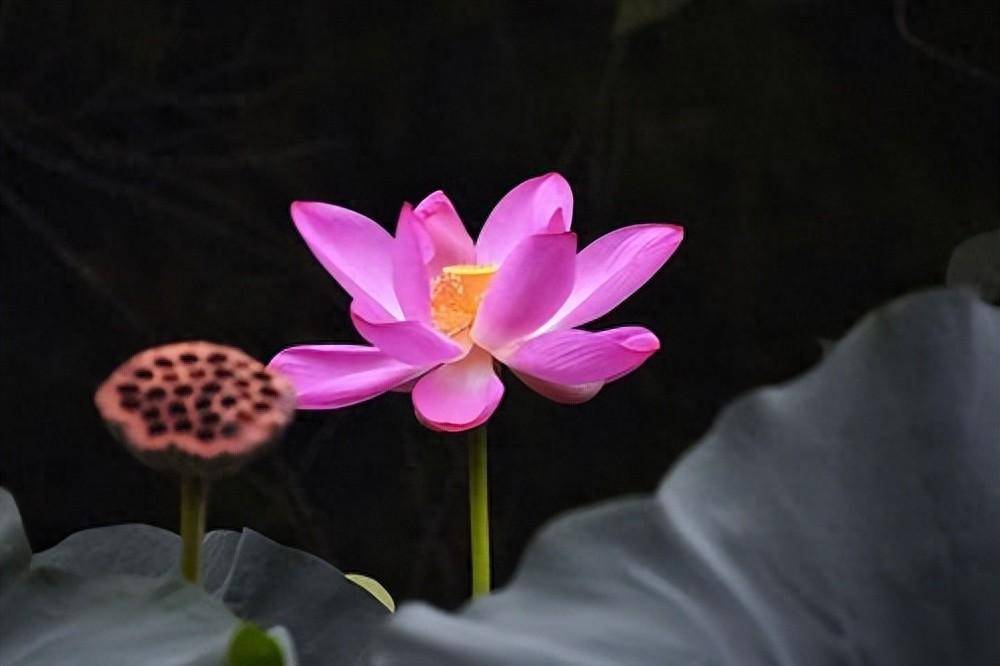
{"x": 195, "y": 408}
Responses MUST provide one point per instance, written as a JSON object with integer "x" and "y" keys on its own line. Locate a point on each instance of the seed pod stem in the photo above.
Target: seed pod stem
{"x": 194, "y": 498}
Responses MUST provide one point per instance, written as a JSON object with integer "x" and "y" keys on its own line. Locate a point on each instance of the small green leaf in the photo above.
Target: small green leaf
{"x": 374, "y": 588}
{"x": 250, "y": 646}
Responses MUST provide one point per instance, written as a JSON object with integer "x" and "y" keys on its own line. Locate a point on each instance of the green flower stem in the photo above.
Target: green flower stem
{"x": 194, "y": 496}
{"x": 479, "y": 512}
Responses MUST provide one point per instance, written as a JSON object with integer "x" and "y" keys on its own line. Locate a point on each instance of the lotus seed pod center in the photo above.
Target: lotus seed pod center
{"x": 456, "y": 294}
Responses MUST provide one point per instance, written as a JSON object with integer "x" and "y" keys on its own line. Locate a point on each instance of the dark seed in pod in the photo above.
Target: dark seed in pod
{"x": 156, "y": 393}
{"x": 227, "y": 401}
{"x": 229, "y": 429}
{"x": 269, "y": 392}
{"x": 183, "y": 390}
{"x": 143, "y": 373}
{"x": 206, "y": 434}
{"x": 261, "y": 407}
{"x": 197, "y": 373}
{"x": 183, "y": 425}
{"x": 203, "y": 403}
{"x": 130, "y": 403}
{"x": 127, "y": 388}
{"x": 216, "y": 358}
{"x": 211, "y": 387}
{"x": 223, "y": 373}
{"x": 177, "y": 407}
{"x": 241, "y": 364}
{"x": 189, "y": 358}
{"x": 170, "y": 377}
{"x": 242, "y": 383}
{"x": 151, "y": 413}
{"x": 246, "y": 417}
{"x": 209, "y": 418}
{"x": 262, "y": 376}
{"x": 163, "y": 362}
{"x": 157, "y": 428}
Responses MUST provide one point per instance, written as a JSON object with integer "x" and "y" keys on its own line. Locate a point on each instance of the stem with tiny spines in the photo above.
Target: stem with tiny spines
{"x": 479, "y": 512}
{"x": 194, "y": 496}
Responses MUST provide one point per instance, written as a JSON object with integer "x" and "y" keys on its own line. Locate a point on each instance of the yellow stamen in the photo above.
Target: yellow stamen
{"x": 456, "y": 294}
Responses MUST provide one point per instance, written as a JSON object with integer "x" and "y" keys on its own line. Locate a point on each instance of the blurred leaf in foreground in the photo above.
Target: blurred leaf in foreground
{"x": 849, "y": 516}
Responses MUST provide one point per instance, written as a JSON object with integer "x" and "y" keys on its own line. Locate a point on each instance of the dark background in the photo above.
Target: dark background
{"x": 823, "y": 156}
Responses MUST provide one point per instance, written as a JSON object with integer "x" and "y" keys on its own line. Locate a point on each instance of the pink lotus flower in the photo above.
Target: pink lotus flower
{"x": 439, "y": 309}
